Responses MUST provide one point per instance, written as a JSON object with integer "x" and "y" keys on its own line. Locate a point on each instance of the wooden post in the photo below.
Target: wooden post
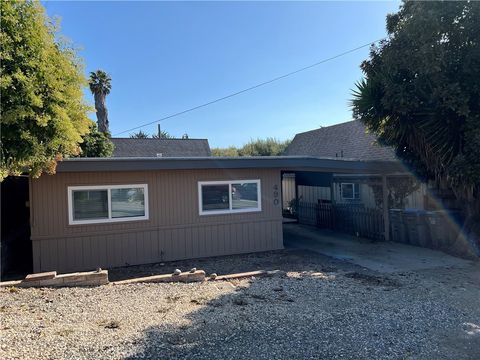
{"x": 332, "y": 192}
{"x": 297, "y": 201}
{"x": 386, "y": 219}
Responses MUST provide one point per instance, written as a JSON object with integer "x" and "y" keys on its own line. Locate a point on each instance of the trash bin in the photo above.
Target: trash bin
{"x": 444, "y": 227}
{"x": 397, "y": 226}
{"x": 416, "y": 227}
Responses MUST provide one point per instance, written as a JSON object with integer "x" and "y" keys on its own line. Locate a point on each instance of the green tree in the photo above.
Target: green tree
{"x": 421, "y": 95}
{"x": 43, "y": 114}
{"x": 231, "y": 151}
{"x": 163, "y": 135}
{"x": 100, "y": 86}
{"x": 139, "y": 135}
{"x": 96, "y": 144}
{"x": 264, "y": 147}
{"x": 260, "y": 147}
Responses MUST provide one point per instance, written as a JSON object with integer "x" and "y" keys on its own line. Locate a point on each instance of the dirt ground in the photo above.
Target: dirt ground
{"x": 320, "y": 308}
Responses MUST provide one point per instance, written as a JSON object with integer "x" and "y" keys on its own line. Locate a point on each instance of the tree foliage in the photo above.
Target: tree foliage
{"x": 260, "y": 147}
{"x": 230, "y": 151}
{"x": 164, "y": 135}
{"x": 139, "y": 135}
{"x": 96, "y": 144}
{"x": 264, "y": 147}
{"x": 421, "y": 93}
{"x": 43, "y": 114}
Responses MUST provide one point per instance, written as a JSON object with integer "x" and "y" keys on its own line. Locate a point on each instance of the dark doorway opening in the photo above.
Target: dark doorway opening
{"x": 16, "y": 246}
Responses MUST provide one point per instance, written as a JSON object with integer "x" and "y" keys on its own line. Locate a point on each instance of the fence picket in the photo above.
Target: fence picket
{"x": 346, "y": 218}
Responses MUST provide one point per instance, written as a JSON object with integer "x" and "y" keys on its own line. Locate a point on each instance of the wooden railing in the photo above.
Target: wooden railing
{"x": 349, "y": 218}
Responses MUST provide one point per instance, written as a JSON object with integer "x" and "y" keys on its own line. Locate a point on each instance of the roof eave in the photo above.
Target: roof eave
{"x": 280, "y": 162}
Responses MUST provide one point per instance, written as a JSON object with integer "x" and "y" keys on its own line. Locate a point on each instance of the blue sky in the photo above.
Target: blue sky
{"x": 165, "y": 57}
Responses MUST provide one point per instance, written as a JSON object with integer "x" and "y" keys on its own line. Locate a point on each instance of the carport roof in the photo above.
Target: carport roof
{"x": 287, "y": 163}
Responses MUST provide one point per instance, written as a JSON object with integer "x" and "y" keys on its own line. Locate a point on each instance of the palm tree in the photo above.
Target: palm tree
{"x": 139, "y": 135}
{"x": 100, "y": 87}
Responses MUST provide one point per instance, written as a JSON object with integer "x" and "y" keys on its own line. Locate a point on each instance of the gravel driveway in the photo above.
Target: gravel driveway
{"x": 320, "y": 309}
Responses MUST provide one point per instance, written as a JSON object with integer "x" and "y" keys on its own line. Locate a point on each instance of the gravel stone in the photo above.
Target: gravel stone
{"x": 326, "y": 309}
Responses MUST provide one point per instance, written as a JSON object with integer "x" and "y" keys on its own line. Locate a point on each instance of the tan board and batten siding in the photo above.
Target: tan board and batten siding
{"x": 174, "y": 231}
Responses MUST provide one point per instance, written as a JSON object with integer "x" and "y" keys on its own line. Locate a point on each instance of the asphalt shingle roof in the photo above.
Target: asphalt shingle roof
{"x": 128, "y": 147}
{"x": 349, "y": 138}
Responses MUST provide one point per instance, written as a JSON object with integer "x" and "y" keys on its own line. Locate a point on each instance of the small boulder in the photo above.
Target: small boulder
{"x": 192, "y": 270}
{"x": 213, "y": 276}
{"x": 177, "y": 272}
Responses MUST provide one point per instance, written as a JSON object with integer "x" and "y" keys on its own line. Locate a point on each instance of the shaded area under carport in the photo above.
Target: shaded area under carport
{"x": 386, "y": 257}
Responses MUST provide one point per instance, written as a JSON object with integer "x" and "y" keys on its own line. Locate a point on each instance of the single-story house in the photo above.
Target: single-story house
{"x": 16, "y": 246}
{"x": 151, "y": 147}
{"x": 110, "y": 212}
{"x": 348, "y": 140}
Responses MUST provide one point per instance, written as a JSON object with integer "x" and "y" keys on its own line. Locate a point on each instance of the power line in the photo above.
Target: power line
{"x": 250, "y": 88}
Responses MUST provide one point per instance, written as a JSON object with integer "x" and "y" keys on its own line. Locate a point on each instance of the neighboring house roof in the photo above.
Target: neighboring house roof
{"x": 129, "y": 147}
{"x": 347, "y": 140}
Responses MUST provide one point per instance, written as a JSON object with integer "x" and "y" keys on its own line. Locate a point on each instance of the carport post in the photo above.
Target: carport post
{"x": 386, "y": 220}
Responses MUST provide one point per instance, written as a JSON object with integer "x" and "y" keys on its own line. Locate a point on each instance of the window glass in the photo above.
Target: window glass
{"x": 347, "y": 191}
{"x": 127, "y": 202}
{"x": 215, "y": 197}
{"x": 244, "y": 195}
{"x": 90, "y": 204}
{"x": 357, "y": 191}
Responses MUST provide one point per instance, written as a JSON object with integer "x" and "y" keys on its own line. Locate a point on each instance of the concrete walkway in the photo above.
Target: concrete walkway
{"x": 386, "y": 257}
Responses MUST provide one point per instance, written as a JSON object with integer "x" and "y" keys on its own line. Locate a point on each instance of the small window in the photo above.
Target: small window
{"x": 350, "y": 191}
{"x": 223, "y": 197}
{"x": 109, "y": 203}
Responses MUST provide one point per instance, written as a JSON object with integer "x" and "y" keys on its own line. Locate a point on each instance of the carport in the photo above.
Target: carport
{"x": 384, "y": 257}
{"x": 326, "y": 193}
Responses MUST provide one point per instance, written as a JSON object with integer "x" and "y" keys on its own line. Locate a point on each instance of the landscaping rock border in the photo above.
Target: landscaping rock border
{"x": 51, "y": 279}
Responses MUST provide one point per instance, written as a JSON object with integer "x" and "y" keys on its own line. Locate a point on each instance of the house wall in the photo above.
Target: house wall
{"x": 312, "y": 194}
{"x": 367, "y": 197}
{"x": 413, "y": 201}
{"x": 174, "y": 230}
{"x": 416, "y": 200}
{"x": 288, "y": 190}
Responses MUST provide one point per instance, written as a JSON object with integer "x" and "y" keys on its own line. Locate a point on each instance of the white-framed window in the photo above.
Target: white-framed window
{"x": 350, "y": 191}
{"x": 232, "y": 196}
{"x": 107, "y": 203}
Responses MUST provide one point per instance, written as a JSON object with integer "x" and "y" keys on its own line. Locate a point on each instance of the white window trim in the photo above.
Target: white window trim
{"x": 230, "y": 210}
{"x": 353, "y": 191}
{"x": 71, "y": 221}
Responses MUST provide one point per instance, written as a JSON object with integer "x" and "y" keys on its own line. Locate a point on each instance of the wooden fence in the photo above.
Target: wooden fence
{"x": 352, "y": 219}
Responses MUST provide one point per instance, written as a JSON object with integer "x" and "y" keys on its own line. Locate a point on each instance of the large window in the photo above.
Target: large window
{"x": 223, "y": 197}
{"x": 350, "y": 191}
{"x": 107, "y": 203}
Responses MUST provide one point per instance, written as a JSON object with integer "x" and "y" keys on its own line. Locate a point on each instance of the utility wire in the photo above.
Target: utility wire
{"x": 250, "y": 88}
